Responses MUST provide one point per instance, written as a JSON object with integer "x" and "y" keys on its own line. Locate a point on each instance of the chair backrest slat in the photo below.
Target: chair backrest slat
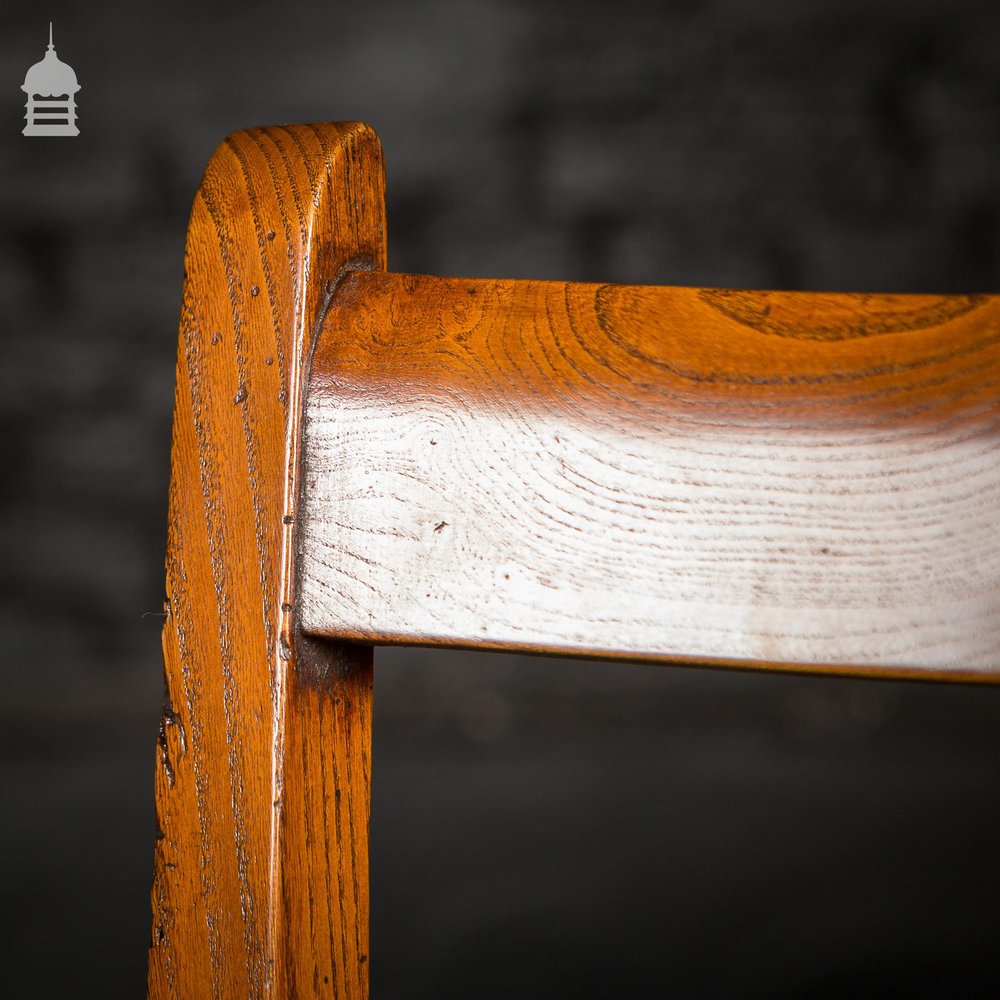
{"x": 801, "y": 480}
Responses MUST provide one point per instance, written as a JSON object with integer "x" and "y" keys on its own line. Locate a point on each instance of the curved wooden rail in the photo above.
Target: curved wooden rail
{"x": 262, "y": 784}
{"x": 804, "y": 481}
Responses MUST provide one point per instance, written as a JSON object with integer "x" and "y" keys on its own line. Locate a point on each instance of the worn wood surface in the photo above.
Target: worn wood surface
{"x": 770, "y": 479}
{"x": 262, "y": 778}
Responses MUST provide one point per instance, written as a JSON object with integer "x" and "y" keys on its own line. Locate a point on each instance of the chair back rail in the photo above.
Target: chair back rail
{"x": 773, "y": 479}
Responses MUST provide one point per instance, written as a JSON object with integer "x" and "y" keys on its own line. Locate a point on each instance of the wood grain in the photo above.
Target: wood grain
{"x": 263, "y": 759}
{"x": 808, "y": 481}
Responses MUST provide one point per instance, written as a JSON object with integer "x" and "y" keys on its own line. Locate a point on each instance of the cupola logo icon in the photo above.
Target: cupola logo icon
{"x": 51, "y": 88}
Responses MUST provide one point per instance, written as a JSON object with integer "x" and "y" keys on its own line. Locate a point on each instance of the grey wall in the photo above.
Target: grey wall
{"x": 541, "y": 828}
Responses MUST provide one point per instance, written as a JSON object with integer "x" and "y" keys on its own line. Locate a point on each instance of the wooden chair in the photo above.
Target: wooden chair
{"x": 765, "y": 480}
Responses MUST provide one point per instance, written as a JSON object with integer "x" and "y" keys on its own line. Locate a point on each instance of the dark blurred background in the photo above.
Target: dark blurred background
{"x": 541, "y": 828}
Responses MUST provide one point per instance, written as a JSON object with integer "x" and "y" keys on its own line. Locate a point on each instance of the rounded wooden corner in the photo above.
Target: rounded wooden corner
{"x": 279, "y": 215}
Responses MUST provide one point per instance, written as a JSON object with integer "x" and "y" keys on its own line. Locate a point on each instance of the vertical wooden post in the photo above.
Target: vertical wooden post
{"x": 263, "y": 759}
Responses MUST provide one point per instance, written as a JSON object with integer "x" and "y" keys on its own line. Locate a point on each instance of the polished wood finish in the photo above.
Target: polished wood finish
{"x": 803, "y": 481}
{"x": 807, "y": 481}
{"x": 263, "y": 758}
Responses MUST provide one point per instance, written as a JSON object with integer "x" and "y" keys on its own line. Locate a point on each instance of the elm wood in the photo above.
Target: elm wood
{"x": 263, "y": 762}
{"x": 806, "y": 481}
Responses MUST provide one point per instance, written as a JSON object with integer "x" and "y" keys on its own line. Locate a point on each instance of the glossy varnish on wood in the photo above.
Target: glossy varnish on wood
{"x": 801, "y": 480}
{"x": 263, "y": 762}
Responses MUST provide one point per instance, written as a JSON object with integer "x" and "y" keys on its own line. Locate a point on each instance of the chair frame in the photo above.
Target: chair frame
{"x": 263, "y": 770}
